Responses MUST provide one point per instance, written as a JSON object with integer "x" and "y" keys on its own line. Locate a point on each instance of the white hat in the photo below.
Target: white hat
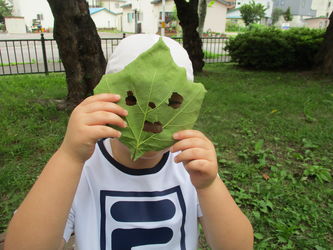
{"x": 132, "y": 46}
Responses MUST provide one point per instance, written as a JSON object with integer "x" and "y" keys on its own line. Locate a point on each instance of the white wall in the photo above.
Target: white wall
{"x": 148, "y": 23}
{"x": 322, "y": 7}
{"x": 29, "y": 10}
{"x": 128, "y": 26}
{"x": 112, "y": 5}
{"x": 149, "y": 15}
{"x": 216, "y": 18}
{"x": 15, "y": 25}
{"x": 105, "y": 19}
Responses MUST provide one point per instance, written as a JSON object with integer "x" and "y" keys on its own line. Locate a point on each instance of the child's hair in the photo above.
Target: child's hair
{"x": 134, "y": 45}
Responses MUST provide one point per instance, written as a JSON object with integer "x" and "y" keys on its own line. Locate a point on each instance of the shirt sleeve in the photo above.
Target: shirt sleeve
{"x": 69, "y": 228}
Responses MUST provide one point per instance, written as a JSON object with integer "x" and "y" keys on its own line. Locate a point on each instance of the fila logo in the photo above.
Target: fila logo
{"x": 145, "y": 220}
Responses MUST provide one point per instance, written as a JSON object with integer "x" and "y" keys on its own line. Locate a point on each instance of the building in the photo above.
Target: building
{"x": 132, "y": 16}
{"x": 36, "y": 13}
{"x": 145, "y": 16}
{"x": 216, "y": 16}
{"x": 306, "y": 8}
{"x": 302, "y": 10}
{"x": 316, "y": 22}
{"x": 112, "y": 5}
{"x": 234, "y": 16}
{"x": 323, "y": 8}
{"x": 105, "y": 19}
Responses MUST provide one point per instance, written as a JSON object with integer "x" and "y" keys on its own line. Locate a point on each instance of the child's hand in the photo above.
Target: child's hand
{"x": 87, "y": 124}
{"x": 198, "y": 156}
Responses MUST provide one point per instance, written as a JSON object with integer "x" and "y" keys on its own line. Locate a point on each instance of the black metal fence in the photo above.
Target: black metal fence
{"x": 30, "y": 56}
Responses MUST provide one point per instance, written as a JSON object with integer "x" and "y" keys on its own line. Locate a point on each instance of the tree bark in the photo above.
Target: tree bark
{"x": 324, "y": 57}
{"x": 202, "y": 11}
{"x": 79, "y": 48}
{"x": 189, "y": 21}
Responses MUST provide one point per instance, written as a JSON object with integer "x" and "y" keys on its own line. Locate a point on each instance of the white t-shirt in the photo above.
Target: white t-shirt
{"x": 119, "y": 208}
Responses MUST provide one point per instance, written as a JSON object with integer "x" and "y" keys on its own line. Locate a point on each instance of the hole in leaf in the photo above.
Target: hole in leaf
{"x": 175, "y": 100}
{"x": 130, "y": 99}
{"x": 153, "y": 127}
{"x": 152, "y": 105}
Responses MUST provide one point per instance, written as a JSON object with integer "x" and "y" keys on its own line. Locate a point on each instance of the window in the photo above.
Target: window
{"x": 129, "y": 17}
{"x": 40, "y": 16}
{"x": 139, "y": 16}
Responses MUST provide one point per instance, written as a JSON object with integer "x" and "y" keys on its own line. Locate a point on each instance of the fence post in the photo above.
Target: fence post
{"x": 46, "y": 68}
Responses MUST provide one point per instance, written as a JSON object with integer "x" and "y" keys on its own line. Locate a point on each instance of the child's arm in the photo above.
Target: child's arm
{"x": 40, "y": 220}
{"x": 224, "y": 224}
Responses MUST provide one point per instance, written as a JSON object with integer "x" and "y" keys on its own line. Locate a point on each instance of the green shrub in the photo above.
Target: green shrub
{"x": 234, "y": 27}
{"x": 2, "y": 27}
{"x": 271, "y": 48}
{"x": 305, "y": 43}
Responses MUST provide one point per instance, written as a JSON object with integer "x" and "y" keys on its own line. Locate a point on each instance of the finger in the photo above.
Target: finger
{"x": 184, "y": 134}
{"x": 107, "y": 97}
{"x": 189, "y": 143}
{"x": 191, "y": 154}
{"x": 106, "y": 106}
{"x": 103, "y": 118}
{"x": 100, "y": 131}
{"x": 197, "y": 166}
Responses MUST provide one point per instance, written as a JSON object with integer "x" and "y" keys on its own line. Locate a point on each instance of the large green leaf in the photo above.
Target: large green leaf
{"x": 159, "y": 99}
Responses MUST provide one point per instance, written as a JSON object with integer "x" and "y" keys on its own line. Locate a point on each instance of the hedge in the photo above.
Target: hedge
{"x": 272, "y": 48}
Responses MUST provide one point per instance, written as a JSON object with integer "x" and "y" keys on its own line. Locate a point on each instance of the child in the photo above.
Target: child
{"x": 111, "y": 202}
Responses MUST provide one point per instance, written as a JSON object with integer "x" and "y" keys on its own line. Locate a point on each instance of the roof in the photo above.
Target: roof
{"x": 234, "y": 14}
{"x": 126, "y": 5}
{"x": 319, "y": 17}
{"x": 156, "y": 1}
{"x": 232, "y": 10}
{"x": 228, "y": 3}
{"x": 96, "y": 10}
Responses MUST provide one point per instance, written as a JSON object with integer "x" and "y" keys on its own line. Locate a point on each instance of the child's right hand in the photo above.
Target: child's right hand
{"x": 87, "y": 124}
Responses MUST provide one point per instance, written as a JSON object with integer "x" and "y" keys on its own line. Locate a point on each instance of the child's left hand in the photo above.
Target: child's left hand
{"x": 198, "y": 156}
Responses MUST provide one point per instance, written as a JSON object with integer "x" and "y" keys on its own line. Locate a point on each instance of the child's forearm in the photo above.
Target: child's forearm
{"x": 40, "y": 220}
{"x": 225, "y": 226}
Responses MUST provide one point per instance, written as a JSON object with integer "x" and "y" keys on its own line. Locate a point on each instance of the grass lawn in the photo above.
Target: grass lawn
{"x": 273, "y": 132}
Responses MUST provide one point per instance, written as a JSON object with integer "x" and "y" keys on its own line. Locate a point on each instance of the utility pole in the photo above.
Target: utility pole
{"x": 163, "y": 19}
{"x": 135, "y": 21}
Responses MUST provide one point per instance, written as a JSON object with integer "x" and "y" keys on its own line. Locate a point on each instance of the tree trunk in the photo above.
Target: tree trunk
{"x": 188, "y": 19}
{"x": 79, "y": 48}
{"x": 325, "y": 54}
{"x": 202, "y": 11}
